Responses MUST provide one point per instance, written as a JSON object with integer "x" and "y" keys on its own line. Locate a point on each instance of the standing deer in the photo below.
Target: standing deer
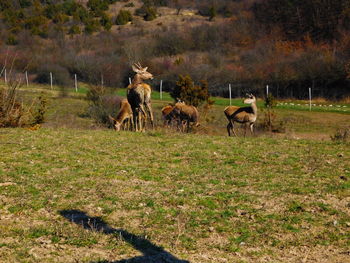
{"x": 124, "y": 116}
{"x": 244, "y": 115}
{"x": 139, "y": 97}
{"x": 185, "y": 114}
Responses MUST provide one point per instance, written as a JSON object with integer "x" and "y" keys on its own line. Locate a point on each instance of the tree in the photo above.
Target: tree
{"x": 191, "y": 94}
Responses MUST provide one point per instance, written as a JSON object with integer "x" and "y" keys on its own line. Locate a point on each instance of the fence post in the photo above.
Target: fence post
{"x": 267, "y": 91}
{"x": 76, "y": 82}
{"x": 27, "y": 81}
{"x": 51, "y": 80}
{"x": 5, "y": 75}
{"x": 310, "y": 99}
{"x": 161, "y": 89}
{"x": 229, "y": 92}
{"x": 102, "y": 82}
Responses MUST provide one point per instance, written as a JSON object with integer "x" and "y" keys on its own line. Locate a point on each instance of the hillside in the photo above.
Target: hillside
{"x": 226, "y": 42}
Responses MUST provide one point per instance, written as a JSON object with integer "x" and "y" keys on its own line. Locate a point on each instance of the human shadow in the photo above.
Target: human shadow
{"x": 151, "y": 252}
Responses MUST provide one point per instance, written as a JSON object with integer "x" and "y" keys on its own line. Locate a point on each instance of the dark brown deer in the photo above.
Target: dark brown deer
{"x": 244, "y": 115}
{"x": 139, "y": 97}
{"x": 124, "y": 117}
{"x": 166, "y": 116}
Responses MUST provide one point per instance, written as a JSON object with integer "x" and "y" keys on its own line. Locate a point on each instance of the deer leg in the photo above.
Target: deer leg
{"x": 150, "y": 113}
{"x": 134, "y": 116}
{"x": 233, "y": 128}
{"x": 251, "y": 127}
{"x": 245, "y": 129}
{"x": 139, "y": 120}
{"x": 143, "y": 118}
{"x": 131, "y": 123}
{"x": 229, "y": 128}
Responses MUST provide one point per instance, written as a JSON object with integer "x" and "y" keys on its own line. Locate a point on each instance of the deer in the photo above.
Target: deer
{"x": 139, "y": 97}
{"x": 166, "y": 115}
{"x": 185, "y": 114}
{"x": 125, "y": 116}
{"x": 244, "y": 115}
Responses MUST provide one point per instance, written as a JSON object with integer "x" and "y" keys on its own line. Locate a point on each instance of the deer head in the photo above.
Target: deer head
{"x": 116, "y": 124}
{"x": 250, "y": 99}
{"x": 142, "y": 72}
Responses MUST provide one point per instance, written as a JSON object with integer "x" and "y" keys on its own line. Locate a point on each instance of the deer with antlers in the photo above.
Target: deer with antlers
{"x": 139, "y": 97}
{"x": 244, "y": 115}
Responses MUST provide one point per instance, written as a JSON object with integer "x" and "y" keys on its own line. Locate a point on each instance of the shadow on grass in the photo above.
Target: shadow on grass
{"x": 151, "y": 253}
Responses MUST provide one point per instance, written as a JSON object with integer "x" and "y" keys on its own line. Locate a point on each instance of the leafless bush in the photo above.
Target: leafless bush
{"x": 341, "y": 135}
{"x": 102, "y": 104}
{"x": 15, "y": 113}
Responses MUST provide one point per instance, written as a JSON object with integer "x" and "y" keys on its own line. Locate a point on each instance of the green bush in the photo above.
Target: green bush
{"x": 106, "y": 21}
{"x": 148, "y": 13}
{"x": 11, "y": 40}
{"x": 123, "y": 17}
{"x": 91, "y": 26}
{"x": 191, "y": 94}
{"x": 74, "y": 30}
{"x": 98, "y": 6}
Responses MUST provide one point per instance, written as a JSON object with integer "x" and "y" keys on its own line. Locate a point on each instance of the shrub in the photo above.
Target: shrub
{"x": 11, "y": 40}
{"x": 131, "y": 4}
{"x": 11, "y": 110}
{"x": 269, "y": 113}
{"x": 212, "y": 13}
{"x": 148, "y": 13}
{"x": 74, "y": 30}
{"x": 106, "y": 21}
{"x": 171, "y": 43}
{"x": 39, "y": 114}
{"x": 341, "y": 135}
{"x": 102, "y": 104}
{"x": 91, "y": 26}
{"x": 123, "y": 17}
{"x": 60, "y": 75}
{"x": 98, "y": 6}
{"x": 191, "y": 94}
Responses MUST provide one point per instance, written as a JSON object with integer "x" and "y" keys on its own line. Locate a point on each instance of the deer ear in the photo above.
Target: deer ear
{"x": 111, "y": 119}
{"x": 145, "y": 69}
{"x": 135, "y": 69}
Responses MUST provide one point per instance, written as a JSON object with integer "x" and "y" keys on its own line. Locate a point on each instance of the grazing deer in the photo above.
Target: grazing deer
{"x": 139, "y": 97}
{"x": 244, "y": 115}
{"x": 124, "y": 116}
{"x": 185, "y": 114}
{"x": 166, "y": 115}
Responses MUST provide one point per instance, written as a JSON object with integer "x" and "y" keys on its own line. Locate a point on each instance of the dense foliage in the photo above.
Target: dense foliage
{"x": 191, "y": 94}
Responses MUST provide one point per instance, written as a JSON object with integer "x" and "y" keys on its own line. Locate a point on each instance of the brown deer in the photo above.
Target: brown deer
{"x": 124, "y": 117}
{"x": 139, "y": 97}
{"x": 185, "y": 115}
{"x": 166, "y": 116}
{"x": 244, "y": 115}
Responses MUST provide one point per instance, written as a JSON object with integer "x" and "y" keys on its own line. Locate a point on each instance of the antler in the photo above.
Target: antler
{"x": 138, "y": 65}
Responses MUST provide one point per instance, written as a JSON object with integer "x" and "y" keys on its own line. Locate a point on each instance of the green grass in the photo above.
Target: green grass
{"x": 208, "y": 195}
{"x": 200, "y": 197}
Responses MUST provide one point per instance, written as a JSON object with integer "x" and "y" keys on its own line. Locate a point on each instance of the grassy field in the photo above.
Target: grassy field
{"x": 70, "y": 193}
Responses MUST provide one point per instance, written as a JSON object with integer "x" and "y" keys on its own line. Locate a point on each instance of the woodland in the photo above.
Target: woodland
{"x": 290, "y": 45}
